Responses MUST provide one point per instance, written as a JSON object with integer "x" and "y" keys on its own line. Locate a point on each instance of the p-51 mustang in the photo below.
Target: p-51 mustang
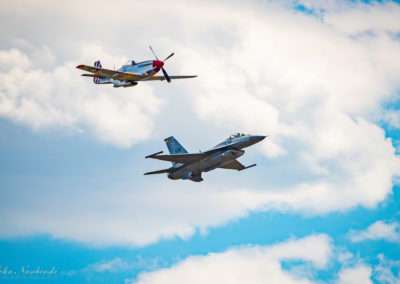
{"x": 130, "y": 73}
{"x": 190, "y": 166}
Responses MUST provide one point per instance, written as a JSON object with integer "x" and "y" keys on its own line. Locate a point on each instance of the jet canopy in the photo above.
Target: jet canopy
{"x": 236, "y": 135}
{"x": 129, "y": 63}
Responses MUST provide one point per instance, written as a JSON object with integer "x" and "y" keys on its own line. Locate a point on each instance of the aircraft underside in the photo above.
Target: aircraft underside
{"x": 193, "y": 171}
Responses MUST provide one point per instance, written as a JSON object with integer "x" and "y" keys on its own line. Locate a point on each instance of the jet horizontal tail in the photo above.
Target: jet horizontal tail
{"x": 152, "y": 155}
{"x": 164, "y": 171}
{"x": 185, "y": 159}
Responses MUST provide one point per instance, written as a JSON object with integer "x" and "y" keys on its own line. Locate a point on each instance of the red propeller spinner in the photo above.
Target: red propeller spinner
{"x": 158, "y": 64}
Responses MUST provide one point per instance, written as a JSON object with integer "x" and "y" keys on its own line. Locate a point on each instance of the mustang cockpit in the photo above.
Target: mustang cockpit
{"x": 129, "y": 63}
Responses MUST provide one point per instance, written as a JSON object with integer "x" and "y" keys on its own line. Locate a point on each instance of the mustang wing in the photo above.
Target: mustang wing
{"x": 116, "y": 75}
{"x": 180, "y": 158}
{"x": 162, "y": 78}
{"x": 234, "y": 165}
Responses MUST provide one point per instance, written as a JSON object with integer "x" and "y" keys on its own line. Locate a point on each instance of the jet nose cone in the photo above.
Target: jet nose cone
{"x": 258, "y": 138}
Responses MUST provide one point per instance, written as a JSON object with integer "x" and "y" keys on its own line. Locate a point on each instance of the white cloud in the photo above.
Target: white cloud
{"x": 367, "y": 17}
{"x": 379, "y": 230}
{"x": 358, "y": 274}
{"x": 291, "y": 261}
{"x": 10, "y": 59}
{"x": 61, "y": 98}
{"x": 117, "y": 265}
{"x": 261, "y": 264}
{"x": 315, "y": 86}
{"x": 246, "y": 264}
{"x": 385, "y": 273}
{"x": 114, "y": 265}
{"x": 392, "y": 117}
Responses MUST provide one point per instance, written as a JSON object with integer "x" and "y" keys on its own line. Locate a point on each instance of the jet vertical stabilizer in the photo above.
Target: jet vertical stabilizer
{"x": 174, "y": 147}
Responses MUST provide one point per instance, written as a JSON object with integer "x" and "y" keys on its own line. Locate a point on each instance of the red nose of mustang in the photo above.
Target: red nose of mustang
{"x": 158, "y": 63}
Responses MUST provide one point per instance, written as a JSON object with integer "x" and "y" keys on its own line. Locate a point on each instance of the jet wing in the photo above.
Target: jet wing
{"x": 180, "y": 158}
{"x": 162, "y": 78}
{"x": 113, "y": 74}
{"x": 234, "y": 165}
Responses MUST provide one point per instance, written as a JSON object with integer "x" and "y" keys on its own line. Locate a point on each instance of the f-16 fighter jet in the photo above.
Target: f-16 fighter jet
{"x": 191, "y": 166}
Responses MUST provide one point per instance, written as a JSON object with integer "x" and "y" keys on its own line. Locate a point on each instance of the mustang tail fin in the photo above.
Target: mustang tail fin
{"x": 97, "y": 64}
{"x": 96, "y": 79}
{"x": 174, "y": 147}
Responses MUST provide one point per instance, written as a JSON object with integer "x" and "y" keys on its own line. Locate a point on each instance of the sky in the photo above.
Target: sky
{"x": 320, "y": 78}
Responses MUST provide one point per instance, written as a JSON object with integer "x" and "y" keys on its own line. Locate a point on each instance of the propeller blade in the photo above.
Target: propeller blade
{"x": 153, "y": 52}
{"x": 169, "y": 56}
{"x": 166, "y": 75}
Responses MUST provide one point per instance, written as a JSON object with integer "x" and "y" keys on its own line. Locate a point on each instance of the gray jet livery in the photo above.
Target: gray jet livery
{"x": 190, "y": 166}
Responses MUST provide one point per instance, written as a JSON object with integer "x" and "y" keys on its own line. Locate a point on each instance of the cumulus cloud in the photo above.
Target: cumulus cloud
{"x": 380, "y": 230}
{"x": 261, "y": 264}
{"x": 392, "y": 117}
{"x": 315, "y": 89}
{"x": 134, "y": 217}
{"x": 358, "y": 274}
{"x": 291, "y": 261}
{"x": 13, "y": 58}
{"x": 247, "y": 264}
{"x": 387, "y": 270}
{"x": 315, "y": 85}
{"x": 60, "y": 98}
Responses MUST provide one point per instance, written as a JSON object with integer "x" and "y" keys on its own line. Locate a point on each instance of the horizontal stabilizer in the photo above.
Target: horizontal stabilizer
{"x": 180, "y": 158}
{"x": 152, "y": 155}
{"x": 159, "y": 172}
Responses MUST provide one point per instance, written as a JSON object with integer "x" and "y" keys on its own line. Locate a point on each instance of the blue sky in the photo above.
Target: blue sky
{"x": 321, "y": 79}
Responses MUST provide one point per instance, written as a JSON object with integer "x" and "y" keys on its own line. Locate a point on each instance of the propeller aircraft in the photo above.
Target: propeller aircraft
{"x": 131, "y": 72}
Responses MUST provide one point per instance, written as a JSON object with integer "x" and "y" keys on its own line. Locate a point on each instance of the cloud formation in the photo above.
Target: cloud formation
{"x": 250, "y": 264}
{"x": 259, "y": 264}
{"x": 315, "y": 84}
{"x": 60, "y": 98}
{"x": 358, "y": 274}
{"x": 380, "y": 230}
